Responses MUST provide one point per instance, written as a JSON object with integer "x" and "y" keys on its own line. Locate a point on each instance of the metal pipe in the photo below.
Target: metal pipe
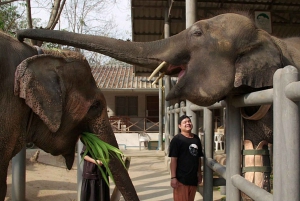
{"x": 167, "y": 85}
{"x": 79, "y": 168}
{"x": 255, "y": 98}
{"x": 217, "y": 105}
{"x": 171, "y": 123}
{"x": 19, "y": 176}
{"x": 256, "y": 193}
{"x": 292, "y": 91}
{"x": 193, "y": 117}
{"x": 277, "y": 131}
{"x": 190, "y": 12}
{"x": 233, "y": 149}
{"x": 182, "y": 108}
{"x": 161, "y": 116}
{"x": 208, "y": 153}
{"x": 290, "y": 139}
{"x": 182, "y": 105}
{"x": 217, "y": 167}
{"x": 167, "y": 131}
{"x": 176, "y": 113}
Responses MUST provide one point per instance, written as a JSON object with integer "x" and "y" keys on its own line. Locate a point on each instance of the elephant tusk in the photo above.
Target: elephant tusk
{"x": 157, "y": 70}
{"x": 161, "y": 76}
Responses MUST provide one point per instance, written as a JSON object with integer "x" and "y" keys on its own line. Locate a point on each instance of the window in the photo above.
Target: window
{"x": 126, "y": 106}
{"x": 152, "y": 105}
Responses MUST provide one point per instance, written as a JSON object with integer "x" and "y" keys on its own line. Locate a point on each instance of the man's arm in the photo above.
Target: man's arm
{"x": 173, "y": 167}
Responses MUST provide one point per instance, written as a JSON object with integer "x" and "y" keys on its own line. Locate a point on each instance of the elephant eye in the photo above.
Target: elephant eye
{"x": 95, "y": 105}
{"x": 197, "y": 33}
{"x": 95, "y": 109}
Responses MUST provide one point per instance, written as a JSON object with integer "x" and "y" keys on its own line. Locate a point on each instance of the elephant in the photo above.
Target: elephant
{"x": 215, "y": 58}
{"x": 50, "y": 99}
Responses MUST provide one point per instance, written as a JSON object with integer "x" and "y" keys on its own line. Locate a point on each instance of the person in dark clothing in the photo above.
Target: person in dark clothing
{"x": 93, "y": 188}
{"x": 185, "y": 152}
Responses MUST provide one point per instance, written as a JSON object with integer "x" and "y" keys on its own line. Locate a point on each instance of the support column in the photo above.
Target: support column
{"x": 193, "y": 116}
{"x": 79, "y": 169}
{"x": 167, "y": 131}
{"x": 161, "y": 115}
{"x": 176, "y": 129}
{"x": 167, "y": 85}
{"x": 191, "y": 12}
{"x": 191, "y": 15}
{"x": 208, "y": 153}
{"x": 19, "y": 176}
{"x": 171, "y": 123}
{"x": 286, "y": 138}
{"x": 182, "y": 105}
{"x": 233, "y": 149}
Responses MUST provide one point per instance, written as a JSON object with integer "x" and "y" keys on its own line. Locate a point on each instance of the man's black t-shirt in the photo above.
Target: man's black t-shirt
{"x": 188, "y": 152}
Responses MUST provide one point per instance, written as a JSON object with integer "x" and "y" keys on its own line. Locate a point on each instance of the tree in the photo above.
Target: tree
{"x": 7, "y": 2}
{"x": 79, "y": 16}
{"x": 10, "y": 18}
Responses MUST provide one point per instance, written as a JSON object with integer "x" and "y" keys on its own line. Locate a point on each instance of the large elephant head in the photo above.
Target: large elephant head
{"x": 65, "y": 101}
{"x": 213, "y": 58}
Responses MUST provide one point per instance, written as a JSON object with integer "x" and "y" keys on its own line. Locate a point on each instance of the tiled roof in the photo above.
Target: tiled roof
{"x": 120, "y": 77}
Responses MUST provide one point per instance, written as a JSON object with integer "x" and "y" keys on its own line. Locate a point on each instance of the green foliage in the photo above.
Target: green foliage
{"x": 9, "y": 18}
{"x": 13, "y": 17}
{"x": 102, "y": 151}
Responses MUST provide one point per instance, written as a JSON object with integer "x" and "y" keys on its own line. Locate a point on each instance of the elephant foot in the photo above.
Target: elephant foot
{"x": 257, "y": 167}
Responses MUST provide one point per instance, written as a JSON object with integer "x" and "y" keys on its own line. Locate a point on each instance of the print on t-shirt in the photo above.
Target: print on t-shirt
{"x": 193, "y": 149}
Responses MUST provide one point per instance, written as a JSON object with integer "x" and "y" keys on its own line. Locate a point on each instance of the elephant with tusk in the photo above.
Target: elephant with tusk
{"x": 214, "y": 58}
{"x": 50, "y": 99}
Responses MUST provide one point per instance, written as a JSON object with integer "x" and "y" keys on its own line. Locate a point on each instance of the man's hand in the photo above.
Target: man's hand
{"x": 174, "y": 183}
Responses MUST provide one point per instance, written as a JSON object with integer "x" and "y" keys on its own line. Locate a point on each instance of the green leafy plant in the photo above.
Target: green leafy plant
{"x": 100, "y": 150}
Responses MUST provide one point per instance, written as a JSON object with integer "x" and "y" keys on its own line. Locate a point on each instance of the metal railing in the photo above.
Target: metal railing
{"x": 121, "y": 124}
{"x": 286, "y": 140}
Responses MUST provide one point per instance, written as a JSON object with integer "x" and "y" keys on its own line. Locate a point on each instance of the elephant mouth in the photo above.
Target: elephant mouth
{"x": 169, "y": 69}
{"x": 173, "y": 70}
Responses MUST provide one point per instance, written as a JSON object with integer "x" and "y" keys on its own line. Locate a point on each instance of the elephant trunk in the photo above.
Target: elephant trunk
{"x": 148, "y": 54}
{"x": 121, "y": 177}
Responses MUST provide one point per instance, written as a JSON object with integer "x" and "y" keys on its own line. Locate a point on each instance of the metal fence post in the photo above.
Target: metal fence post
{"x": 167, "y": 130}
{"x": 286, "y": 138}
{"x": 176, "y": 114}
{"x": 193, "y": 116}
{"x": 233, "y": 149}
{"x": 208, "y": 153}
{"x": 79, "y": 169}
{"x": 182, "y": 105}
{"x": 171, "y": 123}
{"x": 19, "y": 176}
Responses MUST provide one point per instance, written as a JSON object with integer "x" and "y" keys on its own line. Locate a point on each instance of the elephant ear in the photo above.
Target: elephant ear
{"x": 258, "y": 62}
{"x": 37, "y": 81}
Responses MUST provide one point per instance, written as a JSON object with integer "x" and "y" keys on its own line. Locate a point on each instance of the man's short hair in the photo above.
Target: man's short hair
{"x": 182, "y": 118}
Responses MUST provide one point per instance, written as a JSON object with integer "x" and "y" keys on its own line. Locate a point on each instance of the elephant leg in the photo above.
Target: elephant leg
{"x": 257, "y": 166}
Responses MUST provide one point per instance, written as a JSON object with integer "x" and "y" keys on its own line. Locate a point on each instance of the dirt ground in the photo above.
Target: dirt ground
{"x": 49, "y": 180}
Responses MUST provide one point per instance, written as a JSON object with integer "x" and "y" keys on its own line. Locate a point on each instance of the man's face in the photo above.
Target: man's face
{"x": 186, "y": 125}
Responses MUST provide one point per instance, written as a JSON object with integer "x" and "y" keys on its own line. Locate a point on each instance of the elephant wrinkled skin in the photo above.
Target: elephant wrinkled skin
{"x": 59, "y": 94}
{"x": 215, "y": 58}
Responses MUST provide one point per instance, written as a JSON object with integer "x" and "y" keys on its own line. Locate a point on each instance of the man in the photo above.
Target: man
{"x": 185, "y": 152}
